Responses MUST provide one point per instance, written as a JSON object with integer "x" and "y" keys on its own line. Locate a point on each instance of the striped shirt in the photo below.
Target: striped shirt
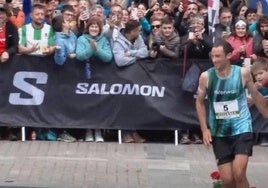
{"x": 30, "y": 36}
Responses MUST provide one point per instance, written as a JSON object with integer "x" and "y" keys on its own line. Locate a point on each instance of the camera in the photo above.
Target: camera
{"x": 155, "y": 47}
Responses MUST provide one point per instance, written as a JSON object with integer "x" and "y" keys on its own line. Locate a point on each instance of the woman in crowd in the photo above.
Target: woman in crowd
{"x": 242, "y": 42}
{"x": 93, "y": 45}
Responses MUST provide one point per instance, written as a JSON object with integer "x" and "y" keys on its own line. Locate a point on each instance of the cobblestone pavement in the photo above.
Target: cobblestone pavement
{"x": 41, "y": 164}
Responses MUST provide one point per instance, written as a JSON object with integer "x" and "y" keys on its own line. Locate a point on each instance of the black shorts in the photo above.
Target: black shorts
{"x": 225, "y": 148}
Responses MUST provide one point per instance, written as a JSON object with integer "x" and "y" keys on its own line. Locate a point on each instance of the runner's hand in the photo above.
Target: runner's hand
{"x": 207, "y": 137}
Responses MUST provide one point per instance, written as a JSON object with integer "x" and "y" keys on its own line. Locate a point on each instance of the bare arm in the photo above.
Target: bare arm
{"x": 201, "y": 109}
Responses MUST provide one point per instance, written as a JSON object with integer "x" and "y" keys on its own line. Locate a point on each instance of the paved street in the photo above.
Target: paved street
{"x": 111, "y": 165}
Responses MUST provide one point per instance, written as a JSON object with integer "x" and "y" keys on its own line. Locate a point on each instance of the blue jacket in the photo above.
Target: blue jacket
{"x": 84, "y": 50}
{"x": 67, "y": 43}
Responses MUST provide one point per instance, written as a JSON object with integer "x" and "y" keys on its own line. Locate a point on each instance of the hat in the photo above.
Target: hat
{"x": 240, "y": 23}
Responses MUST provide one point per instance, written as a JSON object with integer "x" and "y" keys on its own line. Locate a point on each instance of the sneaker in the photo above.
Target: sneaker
{"x": 138, "y": 138}
{"x": 127, "y": 138}
{"x": 197, "y": 139}
{"x": 185, "y": 140}
{"x": 66, "y": 137}
{"x": 12, "y": 137}
{"x": 263, "y": 141}
{"x": 89, "y": 136}
{"x": 98, "y": 136}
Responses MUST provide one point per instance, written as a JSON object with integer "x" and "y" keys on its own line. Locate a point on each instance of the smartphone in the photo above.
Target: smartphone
{"x": 85, "y": 13}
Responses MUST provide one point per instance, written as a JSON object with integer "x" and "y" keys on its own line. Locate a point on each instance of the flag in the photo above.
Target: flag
{"x": 213, "y": 14}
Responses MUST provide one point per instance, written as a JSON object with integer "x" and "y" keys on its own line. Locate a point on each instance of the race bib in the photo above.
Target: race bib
{"x": 226, "y": 109}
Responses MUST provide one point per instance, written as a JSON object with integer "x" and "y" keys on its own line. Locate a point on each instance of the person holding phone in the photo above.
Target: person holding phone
{"x": 197, "y": 42}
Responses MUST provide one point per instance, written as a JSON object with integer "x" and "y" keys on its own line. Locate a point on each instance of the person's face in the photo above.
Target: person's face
{"x": 156, "y": 25}
{"x": 240, "y": 31}
{"x": 198, "y": 26}
{"x": 67, "y": 25}
{"x": 94, "y": 30}
{"x": 226, "y": 18}
{"x": 83, "y": 5}
{"x": 54, "y": 3}
{"x": 251, "y": 17}
{"x": 135, "y": 33}
{"x": 260, "y": 75}
{"x": 38, "y": 16}
{"x": 204, "y": 12}
{"x": 125, "y": 17}
{"x": 264, "y": 28}
{"x": 158, "y": 14}
{"x": 219, "y": 58}
{"x": 68, "y": 16}
{"x": 192, "y": 9}
{"x": 116, "y": 10}
{"x": 243, "y": 11}
{"x": 167, "y": 29}
{"x": 142, "y": 8}
{"x": 74, "y": 4}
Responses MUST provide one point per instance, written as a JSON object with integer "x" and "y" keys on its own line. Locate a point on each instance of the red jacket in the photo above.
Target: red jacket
{"x": 236, "y": 42}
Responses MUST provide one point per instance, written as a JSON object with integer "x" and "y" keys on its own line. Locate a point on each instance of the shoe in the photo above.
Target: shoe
{"x": 264, "y": 141}
{"x": 138, "y": 138}
{"x": 185, "y": 140}
{"x": 98, "y": 136}
{"x": 127, "y": 138}
{"x": 66, "y": 137}
{"x": 12, "y": 137}
{"x": 197, "y": 139}
{"x": 89, "y": 136}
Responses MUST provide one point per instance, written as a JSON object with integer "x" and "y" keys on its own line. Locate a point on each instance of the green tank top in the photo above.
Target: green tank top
{"x": 228, "y": 109}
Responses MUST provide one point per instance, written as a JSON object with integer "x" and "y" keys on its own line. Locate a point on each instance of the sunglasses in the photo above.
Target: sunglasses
{"x": 156, "y": 26}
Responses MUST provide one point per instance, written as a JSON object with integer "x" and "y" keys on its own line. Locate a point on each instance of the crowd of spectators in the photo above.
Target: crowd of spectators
{"x": 126, "y": 31}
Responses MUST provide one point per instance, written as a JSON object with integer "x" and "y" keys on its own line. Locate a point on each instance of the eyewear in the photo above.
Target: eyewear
{"x": 156, "y": 26}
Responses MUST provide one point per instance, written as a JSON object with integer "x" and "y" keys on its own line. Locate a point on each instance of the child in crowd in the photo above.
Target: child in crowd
{"x": 259, "y": 70}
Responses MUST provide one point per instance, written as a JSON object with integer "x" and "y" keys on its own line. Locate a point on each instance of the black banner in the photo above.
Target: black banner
{"x": 35, "y": 92}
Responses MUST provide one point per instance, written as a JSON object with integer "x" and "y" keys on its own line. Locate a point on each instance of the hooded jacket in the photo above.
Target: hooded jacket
{"x": 126, "y": 52}
{"x": 67, "y": 43}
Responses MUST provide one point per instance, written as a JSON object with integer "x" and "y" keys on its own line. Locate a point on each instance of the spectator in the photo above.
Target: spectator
{"x": 65, "y": 40}
{"x": 182, "y": 18}
{"x": 242, "y": 42}
{"x": 125, "y": 17}
{"x": 156, "y": 29}
{"x": 90, "y": 46}
{"x": 9, "y": 36}
{"x": 259, "y": 70}
{"x": 196, "y": 41}
{"x": 224, "y": 28}
{"x": 128, "y": 48}
{"x": 16, "y": 15}
{"x": 8, "y": 47}
{"x": 261, "y": 37}
{"x": 167, "y": 42}
{"x": 145, "y": 24}
{"x": 115, "y": 23}
{"x": 36, "y": 38}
